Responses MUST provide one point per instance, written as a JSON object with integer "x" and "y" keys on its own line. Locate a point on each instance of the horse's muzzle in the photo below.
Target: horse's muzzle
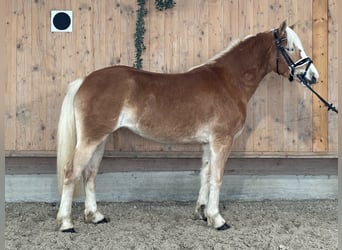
{"x": 302, "y": 77}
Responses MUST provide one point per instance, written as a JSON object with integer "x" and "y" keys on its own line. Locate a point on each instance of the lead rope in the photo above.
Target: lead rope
{"x": 330, "y": 106}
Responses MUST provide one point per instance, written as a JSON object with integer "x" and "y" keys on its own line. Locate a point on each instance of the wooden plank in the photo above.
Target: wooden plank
{"x": 128, "y": 14}
{"x": 333, "y": 74}
{"x": 172, "y": 46}
{"x": 10, "y": 83}
{"x": 156, "y": 34}
{"x": 53, "y": 78}
{"x": 255, "y": 123}
{"x": 123, "y": 140}
{"x": 260, "y": 100}
{"x": 231, "y": 21}
{"x": 297, "y": 100}
{"x": 215, "y": 27}
{"x": 235, "y": 166}
{"x": 320, "y": 57}
{"x": 275, "y": 83}
{"x": 290, "y": 100}
{"x": 84, "y": 42}
{"x": 99, "y": 32}
{"x": 24, "y": 88}
{"x": 184, "y": 21}
{"x": 40, "y": 25}
{"x": 231, "y": 33}
{"x": 109, "y": 16}
{"x": 111, "y": 40}
{"x": 200, "y": 32}
{"x": 304, "y": 30}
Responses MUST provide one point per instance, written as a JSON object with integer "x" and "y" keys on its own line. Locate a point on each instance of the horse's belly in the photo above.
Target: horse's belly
{"x": 163, "y": 130}
{"x": 165, "y": 134}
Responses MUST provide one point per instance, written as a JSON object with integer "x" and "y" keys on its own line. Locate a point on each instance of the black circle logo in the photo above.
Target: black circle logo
{"x": 61, "y": 21}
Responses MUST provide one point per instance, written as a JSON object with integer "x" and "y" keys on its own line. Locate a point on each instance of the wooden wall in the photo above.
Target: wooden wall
{"x": 283, "y": 118}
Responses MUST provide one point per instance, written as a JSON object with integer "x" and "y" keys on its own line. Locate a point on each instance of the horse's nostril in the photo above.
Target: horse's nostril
{"x": 313, "y": 79}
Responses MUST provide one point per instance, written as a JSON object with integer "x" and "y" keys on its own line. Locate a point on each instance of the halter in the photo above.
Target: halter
{"x": 292, "y": 65}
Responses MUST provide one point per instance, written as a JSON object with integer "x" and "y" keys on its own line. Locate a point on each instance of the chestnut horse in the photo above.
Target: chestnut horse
{"x": 206, "y": 105}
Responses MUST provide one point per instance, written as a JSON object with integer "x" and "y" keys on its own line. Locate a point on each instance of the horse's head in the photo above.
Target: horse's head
{"x": 290, "y": 58}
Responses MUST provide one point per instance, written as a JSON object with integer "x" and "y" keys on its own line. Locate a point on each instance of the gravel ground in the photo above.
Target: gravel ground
{"x": 170, "y": 225}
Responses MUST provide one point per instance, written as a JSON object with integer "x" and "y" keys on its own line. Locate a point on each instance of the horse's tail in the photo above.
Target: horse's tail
{"x": 66, "y": 134}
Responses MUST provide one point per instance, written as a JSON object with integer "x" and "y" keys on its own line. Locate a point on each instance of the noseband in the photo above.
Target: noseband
{"x": 292, "y": 65}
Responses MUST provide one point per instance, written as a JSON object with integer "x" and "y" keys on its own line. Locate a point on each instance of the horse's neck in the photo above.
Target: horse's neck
{"x": 246, "y": 64}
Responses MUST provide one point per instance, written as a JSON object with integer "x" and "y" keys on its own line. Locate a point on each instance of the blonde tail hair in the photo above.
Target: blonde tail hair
{"x": 66, "y": 134}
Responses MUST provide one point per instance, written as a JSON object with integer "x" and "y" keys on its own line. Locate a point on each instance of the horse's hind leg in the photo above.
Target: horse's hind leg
{"x": 203, "y": 196}
{"x": 91, "y": 214}
{"x": 82, "y": 156}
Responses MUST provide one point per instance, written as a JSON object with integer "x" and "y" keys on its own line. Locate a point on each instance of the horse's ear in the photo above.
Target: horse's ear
{"x": 282, "y": 29}
{"x": 292, "y": 26}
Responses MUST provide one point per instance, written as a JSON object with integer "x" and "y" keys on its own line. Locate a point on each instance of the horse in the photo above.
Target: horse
{"x": 206, "y": 104}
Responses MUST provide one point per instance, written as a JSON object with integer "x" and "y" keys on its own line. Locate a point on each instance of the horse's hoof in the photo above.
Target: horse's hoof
{"x": 104, "y": 220}
{"x": 225, "y": 226}
{"x": 69, "y": 230}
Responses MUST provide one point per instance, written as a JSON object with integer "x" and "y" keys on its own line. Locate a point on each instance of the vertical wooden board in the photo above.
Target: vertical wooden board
{"x": 111, "y": 40}
{"x": 333, "y": 72}
{"x": 184, "y": 21}
{"x": 254, "y": 111}
{"x": 10, "y": 84}
{"x": 259, "y": 100}
{"x": 304, "y": 30}
{"x": 83, "y": 32}
{"x": 156, "y": 35}
{"x": 320, "y": 54}
{"x": 245, "y": 18}
{"x": 290, "y": 102}
{"x": 231, "y": 32}
{"x": 199, "y": 41}
{"x": 53, "y": 78}
{"x": 200, "y": 32}
{"x": 69, "y": 67}
{"x": 231, "y": 22}
{"x": 215, "y": 27}
{"x": 128, "y": 21}
{"x": 98, "y": 33}
{"x": 276, "y": 13}
{"x": 124, "y": 140}
{"x": 297, "y": 112}
{"x": 172, "y": 45}
{"x": 39, "y": 27}
{"x": 244, "y": 27}
{"x": 24, "y": 88}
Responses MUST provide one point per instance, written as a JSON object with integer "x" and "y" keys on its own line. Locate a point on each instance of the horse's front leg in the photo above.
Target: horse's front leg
{"x": 220, "y": 150}
{"x": 202, "y": 202}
